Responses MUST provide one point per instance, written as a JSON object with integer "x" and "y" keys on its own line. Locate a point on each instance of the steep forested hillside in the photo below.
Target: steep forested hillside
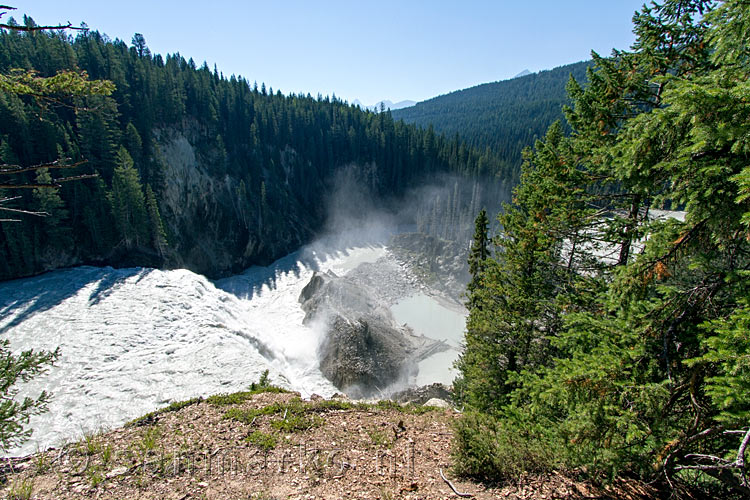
{"x": 194, "y": 169}
{"x": 504, "y": 116}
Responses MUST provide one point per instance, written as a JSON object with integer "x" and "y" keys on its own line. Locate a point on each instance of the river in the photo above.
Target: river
{"x": 133, "y": 340}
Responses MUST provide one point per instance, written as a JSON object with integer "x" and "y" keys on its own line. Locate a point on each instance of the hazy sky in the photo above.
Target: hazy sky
{"x": 361, "y": 50}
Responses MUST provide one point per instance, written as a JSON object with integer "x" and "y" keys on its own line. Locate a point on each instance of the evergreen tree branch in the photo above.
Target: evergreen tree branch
{"x": 65, "y": 83}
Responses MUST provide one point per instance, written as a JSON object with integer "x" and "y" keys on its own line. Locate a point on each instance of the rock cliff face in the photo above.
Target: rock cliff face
{"x": 215, "y": 226}
{"x": 363, "y": 350}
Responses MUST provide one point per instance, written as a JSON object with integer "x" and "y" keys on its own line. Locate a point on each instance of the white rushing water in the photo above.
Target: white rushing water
{"x": 133, "y": 340}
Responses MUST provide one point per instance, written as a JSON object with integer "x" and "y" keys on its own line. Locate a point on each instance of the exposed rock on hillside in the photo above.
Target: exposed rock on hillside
{"x": 216, "y": 228}
{"x": 420, "y": 395}
{"x": 438, "y": 263}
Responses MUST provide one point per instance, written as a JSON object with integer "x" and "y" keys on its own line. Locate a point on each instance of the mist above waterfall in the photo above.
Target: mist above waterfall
{"x": 135, "y": 339}
{"x": 444, "y": 206}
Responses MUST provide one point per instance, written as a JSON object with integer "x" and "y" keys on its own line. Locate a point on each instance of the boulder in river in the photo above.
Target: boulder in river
{"x": 363, "y": 350}
{"x": 363, "y": 356}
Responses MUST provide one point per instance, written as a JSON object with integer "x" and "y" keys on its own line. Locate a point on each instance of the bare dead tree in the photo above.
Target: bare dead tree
{"x": 723, "y": 469}
{"x": 54, "y": 183}
{"x": 4, "y": 9}
{"x": 732, "y": 472}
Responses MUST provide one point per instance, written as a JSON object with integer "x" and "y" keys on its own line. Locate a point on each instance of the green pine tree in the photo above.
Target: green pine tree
{"x": 158, "y": 235}
{"x": 54, "y": 230}
{"x": 637, "y": 322}
{"x": 128, "y": 202}
{"x": 14, "y": 414}
{"x": 479, "y": 248}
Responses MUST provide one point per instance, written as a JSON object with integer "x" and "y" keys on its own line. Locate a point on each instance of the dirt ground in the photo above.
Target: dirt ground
{"x": 274, "y": 446}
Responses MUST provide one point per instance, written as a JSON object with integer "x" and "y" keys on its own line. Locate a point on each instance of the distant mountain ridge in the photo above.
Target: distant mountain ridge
{"x": 522, "y": 73}
{"x": 504, "y": 116}
{"x": 386, "y": 104}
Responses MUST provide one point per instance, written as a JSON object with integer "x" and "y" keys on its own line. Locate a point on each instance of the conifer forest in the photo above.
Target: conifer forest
{"x": 590, "y": 222}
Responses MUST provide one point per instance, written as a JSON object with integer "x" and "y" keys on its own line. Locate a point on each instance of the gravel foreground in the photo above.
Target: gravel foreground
{"x": 273, "y": 445}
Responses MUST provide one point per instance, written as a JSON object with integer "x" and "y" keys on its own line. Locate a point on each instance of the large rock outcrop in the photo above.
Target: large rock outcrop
{"x": 363, "y": 356}
{"x": 420, "y": 395}
{"x": 363, "y": 350}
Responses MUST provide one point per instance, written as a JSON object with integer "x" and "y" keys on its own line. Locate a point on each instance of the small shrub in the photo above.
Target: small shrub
{"x": 150, "y": 439}
{"x": 297, "y": 415}
{"x": 409, "y": 408}
{"x": 387, "y": 404}
{"x": 95, "y": 475}
{"x": 262, "y": 440}
{"x": 21, "y": 490}
{"x": 421, "y": 409}
{"x": 89, "y": 445}
{"x": 106, "y": 453}
{"x": 236, "y": 398}
{"x": 295, "y": 406}
{"x": 164, "y": 463}
{"x": 242, "y": 396}
{"x": 297, "y": 422}
{"x": 494, "y": 450}
{"x": 41, "y": 463}
{"x": 380, "y": 438}
{"x": 333, "y": 405}
{"x": 263, "y": 381}
{"x": 240, "y": 415}
{"x": 229, "y": 399}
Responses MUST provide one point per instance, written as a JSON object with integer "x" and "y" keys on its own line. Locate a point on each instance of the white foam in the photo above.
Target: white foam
{"x": 133, "y": 340}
